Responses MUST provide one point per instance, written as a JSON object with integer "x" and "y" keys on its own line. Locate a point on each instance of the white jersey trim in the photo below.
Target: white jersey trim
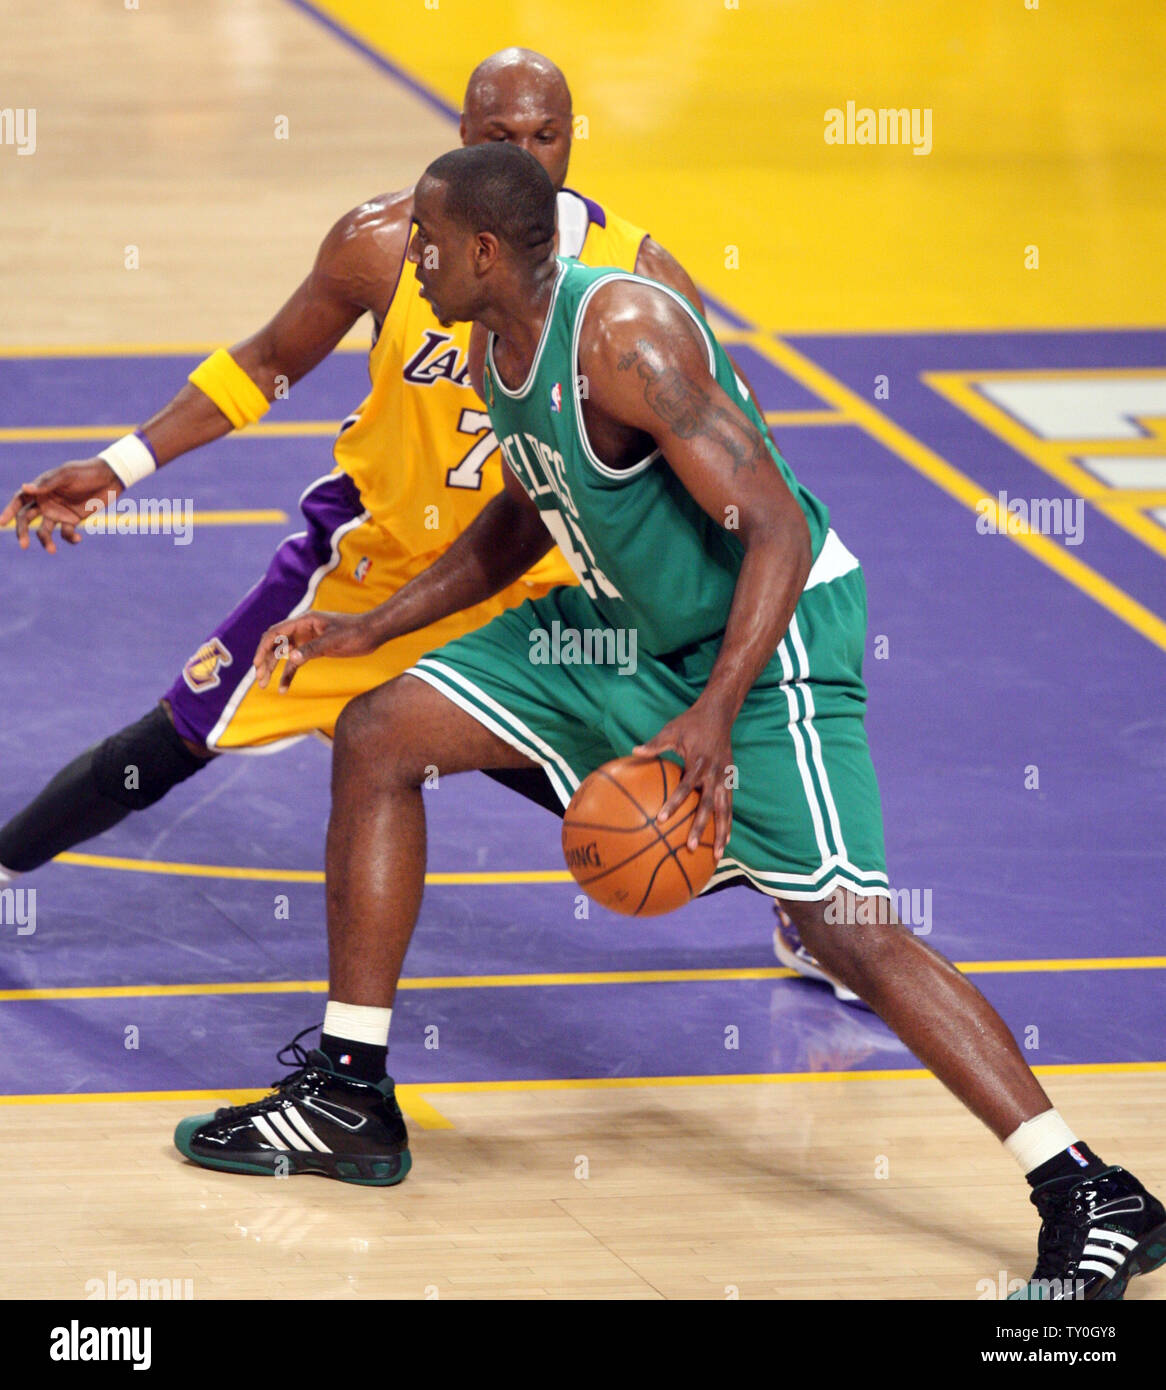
{"x": 524, "y": 390}
{"x": 574, "y": 222}
{"x": 834, "y": 560}
{"x": 620, "y": 474}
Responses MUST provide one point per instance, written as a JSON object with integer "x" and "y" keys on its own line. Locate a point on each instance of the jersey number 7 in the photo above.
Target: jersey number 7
{"x": 468, "y": 473}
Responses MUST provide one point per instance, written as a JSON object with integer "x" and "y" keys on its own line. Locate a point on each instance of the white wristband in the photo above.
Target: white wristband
{"x": 130, "y": 458}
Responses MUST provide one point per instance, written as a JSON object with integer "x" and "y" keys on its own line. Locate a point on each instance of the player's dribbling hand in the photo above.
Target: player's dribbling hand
{"x": 702, "y": 737}
{"x": 301, "y": 639}
{"x": 63, "y": 497}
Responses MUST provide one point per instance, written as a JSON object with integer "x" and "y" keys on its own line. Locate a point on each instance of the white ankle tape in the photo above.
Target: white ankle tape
{"x": 360, "y": 1023}
{"x": 1039, "y": 1139}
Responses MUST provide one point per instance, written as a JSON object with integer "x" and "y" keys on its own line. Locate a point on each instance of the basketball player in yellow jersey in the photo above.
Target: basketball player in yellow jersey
{"x": 415, "y": 464}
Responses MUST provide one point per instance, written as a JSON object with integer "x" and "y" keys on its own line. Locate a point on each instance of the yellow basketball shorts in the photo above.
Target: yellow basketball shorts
{"x": 343, "y": 562}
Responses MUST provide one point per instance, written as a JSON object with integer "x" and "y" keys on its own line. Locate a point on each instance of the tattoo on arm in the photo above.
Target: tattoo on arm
{"x": 689, "y": 411}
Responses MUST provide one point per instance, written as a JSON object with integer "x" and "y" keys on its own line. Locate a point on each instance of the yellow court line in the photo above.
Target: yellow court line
{"x": 555, "y": 980}
{"x": 415, "y": 1106}
{"x": 9, "y": 996}
{"x": 1044, "y": 373}
{"x": 1051, "y": 455}
{"x": 39, "y": 350}
{"x": 958, "y": 485}
{"x": 532, "y": 981}
{"x": 270, "y": 517}
{"x": 40, "y": 434}
{"x": 806, "y": 417}
{"x": 163, "y": 866}
{"x": 1117, "y": 499}
{"x": 1012, "y": 967}
{"x": 766, "y": 1078}
{"x": 1143, "y": 445}
{"x": 64, "y": 434}
{"x": 598, "y": 1083}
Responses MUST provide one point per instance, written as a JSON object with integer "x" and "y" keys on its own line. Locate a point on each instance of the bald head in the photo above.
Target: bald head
{"x": 516, "y": 74}
{"x": 521, "y": 97}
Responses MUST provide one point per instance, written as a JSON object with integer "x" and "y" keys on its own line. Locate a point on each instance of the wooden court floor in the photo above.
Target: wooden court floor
{"x": 814, "y": 1188}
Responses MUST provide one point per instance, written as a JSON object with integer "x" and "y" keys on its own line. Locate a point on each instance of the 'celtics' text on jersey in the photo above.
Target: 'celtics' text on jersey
{"x": 639, "y": 543}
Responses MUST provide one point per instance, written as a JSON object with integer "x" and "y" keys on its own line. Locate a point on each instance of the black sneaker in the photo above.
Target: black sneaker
{"x": 1095, "y": 1235}
{"x": 315, "y": 1121}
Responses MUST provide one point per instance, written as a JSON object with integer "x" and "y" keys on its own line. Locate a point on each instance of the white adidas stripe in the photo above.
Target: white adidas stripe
{"x": 1117, "y": 1236}
{"x": 306, "y": 1130}
{"x": 288, "y": 1133}
{"x": 1117, "y": 1257}
{"x": 1107, "y": 1270}
{"x": 260, "y": 1123}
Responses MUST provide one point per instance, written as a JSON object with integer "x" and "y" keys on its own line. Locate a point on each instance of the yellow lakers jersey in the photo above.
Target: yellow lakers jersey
{"x": 419, "y": 447}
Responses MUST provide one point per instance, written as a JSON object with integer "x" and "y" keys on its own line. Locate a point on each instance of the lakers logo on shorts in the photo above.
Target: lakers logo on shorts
{"x": 201, "y": 672}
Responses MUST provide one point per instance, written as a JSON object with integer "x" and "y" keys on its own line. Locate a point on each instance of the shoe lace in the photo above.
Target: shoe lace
{"x": 298, "y": 1058}
{"x": 1058, "y": 1232}
{"x": 293, "y": 1055}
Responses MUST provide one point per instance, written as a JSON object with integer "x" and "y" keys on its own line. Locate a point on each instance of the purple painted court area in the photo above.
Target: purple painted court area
{"x": 993, "y": 663}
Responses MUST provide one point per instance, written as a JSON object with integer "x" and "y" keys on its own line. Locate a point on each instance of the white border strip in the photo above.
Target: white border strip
{"x": 524, "y": 390}
{"x": 535, "y": 748}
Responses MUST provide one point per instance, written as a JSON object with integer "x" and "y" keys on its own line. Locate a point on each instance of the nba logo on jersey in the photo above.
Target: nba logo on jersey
{"x": 556, "y": 398}
{"x": 363, "y": 566}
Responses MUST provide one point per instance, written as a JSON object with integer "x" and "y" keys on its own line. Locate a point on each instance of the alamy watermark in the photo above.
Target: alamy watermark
{"x": 111, "y": 1287}
{"x": 589, "y": 646}
{"x": 18, "y": 127}
{"x": 78, "y": 1343}
{"x": 1038, "y": 1289}
{"x": 141, "y": 516}
{"x": 18, "y": 909}
{"x": 911, "y": 907}
{"x": 1046, "y": 516}
{"x": 862, "y": 125}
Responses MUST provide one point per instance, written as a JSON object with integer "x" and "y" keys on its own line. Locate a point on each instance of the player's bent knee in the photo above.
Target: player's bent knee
{"x": 137, "y": 766}
{"x": 371, "y": 731}
{"x": 355, "y": 729}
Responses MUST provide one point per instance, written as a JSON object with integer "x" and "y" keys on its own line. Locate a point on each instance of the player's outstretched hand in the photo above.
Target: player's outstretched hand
{"x": 63, "y": 497}
{"x": 297, "y": 640}
{"x": 703, "y": 738}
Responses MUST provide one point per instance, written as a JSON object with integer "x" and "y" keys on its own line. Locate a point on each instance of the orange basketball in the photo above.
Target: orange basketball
{"x": 615, "y": 849}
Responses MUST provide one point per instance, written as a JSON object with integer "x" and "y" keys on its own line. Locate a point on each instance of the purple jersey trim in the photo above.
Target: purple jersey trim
{"x": 326, "y": 507}
{"x": 594, "y": 212}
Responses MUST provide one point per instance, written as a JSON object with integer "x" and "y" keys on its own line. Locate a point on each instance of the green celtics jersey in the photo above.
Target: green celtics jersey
{"x": 644, "y": 551}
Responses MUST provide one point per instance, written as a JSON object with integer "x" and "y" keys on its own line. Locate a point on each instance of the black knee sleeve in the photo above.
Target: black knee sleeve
{"x": 129, "y": 771}
{"x": 139, "y": 765}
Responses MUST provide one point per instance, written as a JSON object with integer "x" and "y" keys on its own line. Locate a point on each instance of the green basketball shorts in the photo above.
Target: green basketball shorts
{"x": 554, "y": 681}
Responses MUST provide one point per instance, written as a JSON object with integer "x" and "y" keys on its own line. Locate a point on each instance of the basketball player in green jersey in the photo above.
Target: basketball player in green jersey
{"x": 629, "y": 442}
